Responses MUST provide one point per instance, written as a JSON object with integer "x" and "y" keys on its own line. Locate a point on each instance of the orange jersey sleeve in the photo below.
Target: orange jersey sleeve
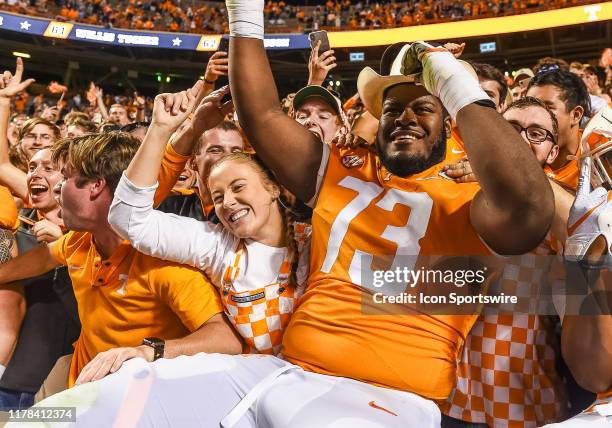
{"x": 366, "y": 217}
{"x": 172, "y": 166}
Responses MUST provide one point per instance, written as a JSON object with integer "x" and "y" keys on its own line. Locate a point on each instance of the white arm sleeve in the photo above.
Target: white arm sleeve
{"x": 320, "y": 175}
{"x": 166, "y": 236}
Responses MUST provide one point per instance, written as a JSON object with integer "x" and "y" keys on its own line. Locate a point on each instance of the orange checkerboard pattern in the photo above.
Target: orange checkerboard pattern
{"x": 506, "y": 374}
{"x": 261, "y": 316}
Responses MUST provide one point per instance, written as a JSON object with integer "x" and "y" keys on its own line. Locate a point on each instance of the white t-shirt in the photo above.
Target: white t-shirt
{"x": 202, "y": 244}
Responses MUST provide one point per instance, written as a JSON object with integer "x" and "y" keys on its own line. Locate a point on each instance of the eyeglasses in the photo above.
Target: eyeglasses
{"x": 535, "y": 134}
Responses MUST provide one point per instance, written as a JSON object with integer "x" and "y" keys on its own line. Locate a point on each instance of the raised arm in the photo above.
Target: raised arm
{"x": 514, "y": 209}
{"x": 11, "y": 176}
{"x": 286, "y": 147}
{"x": 166, "y": 236}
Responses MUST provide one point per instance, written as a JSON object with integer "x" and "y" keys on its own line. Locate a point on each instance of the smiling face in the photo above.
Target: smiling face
{"x": 245, "y": 202}
{"x": 39, "y": 137}
{"x": 546, "y": 152}
{"x": 41, "y": 178}
{"x": 412, "y": 133}
{"x": 318, "y": 117}
{"x": 216, "y": 143}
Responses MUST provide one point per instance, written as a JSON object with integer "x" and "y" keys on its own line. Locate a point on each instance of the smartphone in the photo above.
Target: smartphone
{"x": 315, "y": 36}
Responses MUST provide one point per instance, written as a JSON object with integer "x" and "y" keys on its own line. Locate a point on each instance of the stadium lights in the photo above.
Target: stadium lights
{"x": 337, "y": 83}
{"x": 22, "y": 54}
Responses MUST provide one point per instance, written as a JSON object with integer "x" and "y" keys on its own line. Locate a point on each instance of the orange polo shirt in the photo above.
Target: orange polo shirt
{"x": 130, "y": 296}
{"x": 8, "y": 210}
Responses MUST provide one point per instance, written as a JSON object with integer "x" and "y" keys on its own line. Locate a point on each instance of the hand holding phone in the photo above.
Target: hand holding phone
{"x": 321, "y": 36}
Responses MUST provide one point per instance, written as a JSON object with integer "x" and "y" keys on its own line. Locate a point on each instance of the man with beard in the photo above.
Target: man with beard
{"x": 341, "y": 345}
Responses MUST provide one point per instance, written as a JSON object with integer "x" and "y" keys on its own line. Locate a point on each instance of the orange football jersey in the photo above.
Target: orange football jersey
{"x": 455, "y": 150}
{"x": 362, "y": 213}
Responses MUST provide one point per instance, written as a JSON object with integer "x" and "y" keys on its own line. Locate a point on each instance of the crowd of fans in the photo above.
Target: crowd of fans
{"x": 198, "y": 16}
{"x": 137, "y": 230}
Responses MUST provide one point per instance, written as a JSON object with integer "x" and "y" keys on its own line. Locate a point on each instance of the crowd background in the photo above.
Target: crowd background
{"x": 196, "y": 16}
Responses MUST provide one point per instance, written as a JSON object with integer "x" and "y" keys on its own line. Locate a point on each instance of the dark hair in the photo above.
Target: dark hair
{"x": 86, "y": 125}
{"x": 525, "y": 102}
{"x": 549, "y": 63}
{"x": 227, "y": 126}
{"x": 130, "y": 127}
{"x": 107, "y": 127}
{"x": 573, "y": 90}
{"x": 488, "y": 72}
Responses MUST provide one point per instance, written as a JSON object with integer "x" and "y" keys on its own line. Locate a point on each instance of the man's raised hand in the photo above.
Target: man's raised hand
{"x": 170, "y": 110}
{"x": 218, "y": 65}
{"x": 319, "y": 66}
{"x": 211, "y": 111}
{"x": 11, "y": 84}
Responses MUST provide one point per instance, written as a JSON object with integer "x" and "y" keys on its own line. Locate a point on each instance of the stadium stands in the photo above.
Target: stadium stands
{"x": 211, "y": 17}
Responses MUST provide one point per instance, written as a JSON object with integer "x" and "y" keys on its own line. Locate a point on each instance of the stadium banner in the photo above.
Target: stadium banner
{"x": 474, "y": 27}
{"x": 120, "y": 37}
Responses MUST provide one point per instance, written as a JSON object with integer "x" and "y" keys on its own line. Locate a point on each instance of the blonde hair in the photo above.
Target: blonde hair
{"x": 97, "y": 156}
{"x": 268, "y": 179}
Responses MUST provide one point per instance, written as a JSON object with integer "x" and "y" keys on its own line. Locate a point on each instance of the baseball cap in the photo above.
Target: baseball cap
{"x": 318, "y": 91}
{"x": 523, "y": 72}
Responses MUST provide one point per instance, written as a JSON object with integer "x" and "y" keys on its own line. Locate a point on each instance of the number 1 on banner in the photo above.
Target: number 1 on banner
{"x": 406, "y": 237}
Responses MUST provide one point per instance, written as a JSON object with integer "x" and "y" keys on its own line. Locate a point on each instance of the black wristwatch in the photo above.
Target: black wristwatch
{"x": 157, "y": 344}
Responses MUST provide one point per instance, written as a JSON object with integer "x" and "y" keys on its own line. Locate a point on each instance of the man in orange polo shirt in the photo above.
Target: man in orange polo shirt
{"x": 124, "y": 297}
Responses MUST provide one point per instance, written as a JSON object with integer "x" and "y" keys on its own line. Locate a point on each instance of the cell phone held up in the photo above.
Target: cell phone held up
{"x": 224, "y": 45}
{"x": 316, "y": 36}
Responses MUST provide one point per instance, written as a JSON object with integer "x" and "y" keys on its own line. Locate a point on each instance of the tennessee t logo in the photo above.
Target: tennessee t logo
{"x": 375, "y": 406}
{"x": 123, "y": 278}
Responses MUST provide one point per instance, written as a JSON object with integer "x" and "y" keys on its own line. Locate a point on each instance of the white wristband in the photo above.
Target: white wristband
{"x": 246, "y": 18}
{"x": 2, "y": 369}
{"x": 448, "y": 79}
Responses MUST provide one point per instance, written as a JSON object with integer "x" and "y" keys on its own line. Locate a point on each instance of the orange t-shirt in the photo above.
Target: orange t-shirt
{"x": 362, "y": 212}
{"x": 8, "y": 209}
{"x": 130, "y": 296}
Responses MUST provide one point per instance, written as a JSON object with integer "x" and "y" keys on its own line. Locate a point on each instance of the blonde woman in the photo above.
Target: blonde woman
{"x": 252, "y": 256}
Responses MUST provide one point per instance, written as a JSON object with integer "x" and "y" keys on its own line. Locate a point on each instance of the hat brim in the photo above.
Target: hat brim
{"x": 372, "y": 86}
{"x": 316, "y": 91}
